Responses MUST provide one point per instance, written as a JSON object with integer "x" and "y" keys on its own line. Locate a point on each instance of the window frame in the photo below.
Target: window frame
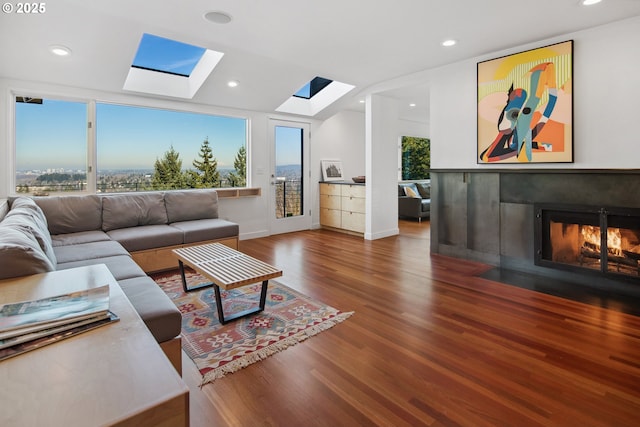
{"x": 92, "y": 160}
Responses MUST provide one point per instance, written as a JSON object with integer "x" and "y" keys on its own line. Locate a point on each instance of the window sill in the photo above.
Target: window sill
{"x": 234, "y": 193}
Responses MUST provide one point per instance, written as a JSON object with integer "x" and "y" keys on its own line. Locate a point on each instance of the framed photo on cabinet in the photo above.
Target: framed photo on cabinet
{"x": 331, "y": 170}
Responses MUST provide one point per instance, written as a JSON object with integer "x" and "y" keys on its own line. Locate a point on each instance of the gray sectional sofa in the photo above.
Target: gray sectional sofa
{"x": 414, "y": 199}
{"x": 131, "y": 233}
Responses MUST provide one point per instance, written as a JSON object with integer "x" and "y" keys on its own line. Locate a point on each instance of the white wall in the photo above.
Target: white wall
{"x": 605, "y": 99}
{"x": 340, "y": 137}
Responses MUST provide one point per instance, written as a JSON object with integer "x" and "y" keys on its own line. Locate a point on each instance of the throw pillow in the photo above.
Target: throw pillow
{"x": 411, "y": 192}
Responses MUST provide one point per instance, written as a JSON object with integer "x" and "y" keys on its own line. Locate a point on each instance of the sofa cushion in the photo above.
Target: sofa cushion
{"x": 121, "y": 266}
{"x": 424, "y": 189}
{"x": 155, "y": 308}
{"x": 20, "y": 254}
{"x": 25, "y": 220}
{"x": 79, "y": 237}
{"x": 130, "y": 210}
{"x": 71, "y": 214}
{"x": 146, "y": 237}
{"x": 91, "y": 250}
{"x": 188, "y": 205}
{"x": 206, "y": 229}
{"x": 28, "y": 204}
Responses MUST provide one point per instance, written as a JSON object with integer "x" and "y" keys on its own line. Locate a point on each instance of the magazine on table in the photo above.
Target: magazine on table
{"x": 28, "y": 317}
{"x": 54, "y": 335}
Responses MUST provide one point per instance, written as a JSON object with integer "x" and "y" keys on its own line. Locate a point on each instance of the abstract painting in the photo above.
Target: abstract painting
{"x": 525, "y": 106}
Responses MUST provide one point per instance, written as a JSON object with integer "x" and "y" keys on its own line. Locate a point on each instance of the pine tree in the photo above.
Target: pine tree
{"x": 238, "y": 178}
{"x": 168, "y": 172}
{"x": 207, "y": 174}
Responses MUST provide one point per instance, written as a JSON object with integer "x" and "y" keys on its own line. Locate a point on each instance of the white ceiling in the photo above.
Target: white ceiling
{"x": 274, "y": 47}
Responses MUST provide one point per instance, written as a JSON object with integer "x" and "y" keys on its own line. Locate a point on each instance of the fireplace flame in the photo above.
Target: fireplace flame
{"x": 591, "y": 235}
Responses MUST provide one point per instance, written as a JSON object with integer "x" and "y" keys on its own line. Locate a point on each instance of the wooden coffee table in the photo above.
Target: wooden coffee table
{"x": 227, "y": 269}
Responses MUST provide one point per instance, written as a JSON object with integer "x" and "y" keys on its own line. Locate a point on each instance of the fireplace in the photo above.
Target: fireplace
{"x": 596, "y": 240}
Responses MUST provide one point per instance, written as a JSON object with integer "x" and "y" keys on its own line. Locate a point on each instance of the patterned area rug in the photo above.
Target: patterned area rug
{"x": 288, "y": 318}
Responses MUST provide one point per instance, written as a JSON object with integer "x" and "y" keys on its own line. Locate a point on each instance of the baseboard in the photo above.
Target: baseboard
{"x": 382, "y": 234}
{"x": 254, "y": 235}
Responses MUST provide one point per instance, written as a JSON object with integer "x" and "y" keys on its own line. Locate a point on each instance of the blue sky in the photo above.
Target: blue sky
{"x": 145, "y": 134}
{"x": 158, "y": 53}
{"x": 53, "y": 135}
{"x": 288, "y": 146}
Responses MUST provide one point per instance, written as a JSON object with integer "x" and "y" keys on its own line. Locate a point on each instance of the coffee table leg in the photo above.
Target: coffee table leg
{"x": 216, "y": 290}
{"x": 263, "y": 294}
{"x": 224, "y": 321}
{"x": 184, "y": 279}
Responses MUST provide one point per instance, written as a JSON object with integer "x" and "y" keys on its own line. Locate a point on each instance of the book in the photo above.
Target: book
{"x": 27, "y": 317}
{"x": 52, "y": 337}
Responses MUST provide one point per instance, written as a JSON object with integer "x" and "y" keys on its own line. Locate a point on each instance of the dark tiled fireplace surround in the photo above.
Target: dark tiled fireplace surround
{"x": 491, "y": 216}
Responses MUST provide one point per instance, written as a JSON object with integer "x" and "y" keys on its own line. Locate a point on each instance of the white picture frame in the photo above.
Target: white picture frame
{"x": 331, "y": 170}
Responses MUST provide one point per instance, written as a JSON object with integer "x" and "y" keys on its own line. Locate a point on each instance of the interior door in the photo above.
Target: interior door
{"x": 290, "y": 209}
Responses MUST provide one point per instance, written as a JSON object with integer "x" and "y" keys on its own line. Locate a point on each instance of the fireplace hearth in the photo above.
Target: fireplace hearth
{"x": 586, "y": 239}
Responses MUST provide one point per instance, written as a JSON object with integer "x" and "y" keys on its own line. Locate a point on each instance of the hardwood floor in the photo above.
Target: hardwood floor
{"x": 429, "y": 344}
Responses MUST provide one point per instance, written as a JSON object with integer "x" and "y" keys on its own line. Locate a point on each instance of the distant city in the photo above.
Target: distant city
{"x": 44, "y": 181}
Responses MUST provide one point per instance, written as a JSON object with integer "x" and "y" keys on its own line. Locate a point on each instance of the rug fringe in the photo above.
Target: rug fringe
{"x": 274, "y": 348}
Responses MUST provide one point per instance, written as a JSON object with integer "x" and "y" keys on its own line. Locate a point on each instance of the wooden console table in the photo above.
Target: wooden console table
{"x": 115, "y": 375}
{"x": 227, "y": 269}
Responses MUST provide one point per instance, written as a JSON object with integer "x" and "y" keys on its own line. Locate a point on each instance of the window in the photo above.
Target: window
{"x": 151, "y": 149}
{"x": 51, "y": 146}
{"x": 136, "y": 149}
{"x": 415, "y": 155}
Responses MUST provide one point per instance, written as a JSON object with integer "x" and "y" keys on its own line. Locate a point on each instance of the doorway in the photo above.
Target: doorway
{"x": 290, "y": 208}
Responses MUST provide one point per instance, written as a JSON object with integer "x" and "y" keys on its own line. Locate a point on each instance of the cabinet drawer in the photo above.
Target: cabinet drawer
{"x": 330, "y": 189}
{"x": 329, "y": 201}
{"x": 353, "y": 221}
{"x": 353, "y": 204}
{"x": 354, "y": 191}
{"x": 330, "y": 217}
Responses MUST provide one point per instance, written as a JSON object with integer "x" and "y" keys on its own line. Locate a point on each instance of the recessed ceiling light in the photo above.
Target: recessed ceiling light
{"x": 217, "y": 17}
{"x": 362, "y": 101}
{"x": 590, "y": 2}
{"x": 60, "y": 50}
{"x": 412, "y": 105}
{"x": 448, "y": 43}
{"x": 233, "y": 83}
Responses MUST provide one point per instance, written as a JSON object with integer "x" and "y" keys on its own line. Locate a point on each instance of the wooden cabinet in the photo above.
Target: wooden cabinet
{"x": 342, "y": 206}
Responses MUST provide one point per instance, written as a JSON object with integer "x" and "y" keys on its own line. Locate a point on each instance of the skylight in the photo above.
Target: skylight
{"x": 310, "y": 89}
{"x": 170, "y": 68}
{"x": 167, "y": 56}
{"x": 314, "y": 97}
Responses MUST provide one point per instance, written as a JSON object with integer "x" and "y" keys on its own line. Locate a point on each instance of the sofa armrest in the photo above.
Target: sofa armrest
{"x": 409, "y": 206}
